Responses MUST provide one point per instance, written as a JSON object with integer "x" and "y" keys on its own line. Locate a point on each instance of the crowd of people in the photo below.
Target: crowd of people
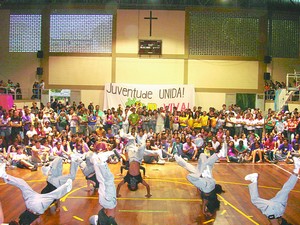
{"x": 33, "y": 136}
{"x": 10, "y": 88}
{"x": 15, "y": 90}
{"x": 271, "y": 87}
{"x": 57, "y": 133}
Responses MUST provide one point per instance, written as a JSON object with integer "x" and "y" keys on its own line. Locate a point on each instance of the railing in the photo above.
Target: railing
{"x": 21, "y": 93}
{"x": 270, "y": 95}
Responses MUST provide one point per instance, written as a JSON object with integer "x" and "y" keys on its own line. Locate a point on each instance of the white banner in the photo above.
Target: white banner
{"x": 151, "y": 96}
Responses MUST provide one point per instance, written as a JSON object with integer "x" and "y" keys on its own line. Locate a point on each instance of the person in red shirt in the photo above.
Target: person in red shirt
{"x": 291, "y": 128}
{"x": 269, "y": 150}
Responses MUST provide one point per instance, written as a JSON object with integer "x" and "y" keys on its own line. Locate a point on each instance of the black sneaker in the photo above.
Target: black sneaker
{"x": 103, "y": 219}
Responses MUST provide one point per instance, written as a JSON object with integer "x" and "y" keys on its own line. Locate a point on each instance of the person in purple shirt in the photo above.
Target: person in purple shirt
{"x": 109, "y": 133}
{"x": 164, "y": 145}
{"x": 284, "y": 152}
{"x": 189, "y": 149}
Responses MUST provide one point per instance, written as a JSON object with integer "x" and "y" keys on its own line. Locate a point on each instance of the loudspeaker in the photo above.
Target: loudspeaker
{"x": 40, "y": 54}
{"x": 39, "y": 71}
{"x": 267, "y": 59}
{"x": 267, "y": 76}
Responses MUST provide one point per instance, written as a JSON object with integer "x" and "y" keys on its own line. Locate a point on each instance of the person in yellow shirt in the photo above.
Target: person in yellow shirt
{"x": 213, "y": 123}
{"x": 183, "y": 118}
{"x": 190, "y": 121}
{"x": 205, "y": 121}
{"x": 197, "y": 121}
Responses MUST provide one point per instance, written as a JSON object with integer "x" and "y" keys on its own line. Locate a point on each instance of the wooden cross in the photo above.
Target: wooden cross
{"x": 150, "y": 18}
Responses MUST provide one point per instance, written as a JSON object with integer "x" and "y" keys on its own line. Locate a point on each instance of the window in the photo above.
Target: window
{"x": 25, "y": 33}
{"x": 224, "y": 33}
{"x": 81, "y": 33}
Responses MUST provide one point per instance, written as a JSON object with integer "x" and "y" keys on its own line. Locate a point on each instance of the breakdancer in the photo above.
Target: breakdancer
{"x": 201, "y": 177}
{"x": 107, "y": 191}
{"x": 274, "y": 208}
{"x": 36, "y": 204}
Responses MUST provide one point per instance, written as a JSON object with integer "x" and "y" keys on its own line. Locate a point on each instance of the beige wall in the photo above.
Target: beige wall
{"x": 149, "y": 71}
{"x": 292, "y": 105}
{"x": 279, "y": 67}
{"x": 169, "y": 27}
{"x": 79, "y": 70}
{"x": 223, "y": 74}
{"x": 206, "y": 100}
{"x": 95, "y": 96}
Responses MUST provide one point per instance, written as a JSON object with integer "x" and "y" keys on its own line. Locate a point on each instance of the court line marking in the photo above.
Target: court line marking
{"x": 285, "y": 170}
{"x": 142, "y": 211}
{"x": 63, "y": 199}
{"x": 223, "y": 212}
{"x": 78, "y": 218}
{"x": 239, "y": 211}
{"x": 209, "y": 221}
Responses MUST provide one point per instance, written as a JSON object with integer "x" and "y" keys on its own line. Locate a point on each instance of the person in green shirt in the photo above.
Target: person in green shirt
{"x": 241, "y": 151}
{"x": 133, "y": 119}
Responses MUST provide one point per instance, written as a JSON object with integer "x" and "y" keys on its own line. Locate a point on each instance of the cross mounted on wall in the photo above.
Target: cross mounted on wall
{"x": 150, "y": 18}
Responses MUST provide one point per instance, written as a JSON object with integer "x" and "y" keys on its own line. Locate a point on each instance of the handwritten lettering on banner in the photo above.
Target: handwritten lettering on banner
{"x": 152, "y": 96}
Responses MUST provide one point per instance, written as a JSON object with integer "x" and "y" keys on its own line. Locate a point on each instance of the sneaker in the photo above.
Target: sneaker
{"x": 69, "y": 185}
{"x": 103, "y": 156}
{"x": 2, "y": 170}
{"x": 296, "y": 162}
{"x": 45, "y": 170}
{"x": 161, "y": 162}
{"x": 252, "y": 177}
{"x": 93, "y": 219}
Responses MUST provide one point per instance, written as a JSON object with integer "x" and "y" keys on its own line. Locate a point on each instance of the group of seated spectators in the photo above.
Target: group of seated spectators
{"x": 10, "y": 88}
{"x": 31, "y": 136}
{"x": 271, "y": 87}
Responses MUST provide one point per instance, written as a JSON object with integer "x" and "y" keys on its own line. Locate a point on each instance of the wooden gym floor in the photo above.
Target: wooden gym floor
{"x": 174, "y": 200}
